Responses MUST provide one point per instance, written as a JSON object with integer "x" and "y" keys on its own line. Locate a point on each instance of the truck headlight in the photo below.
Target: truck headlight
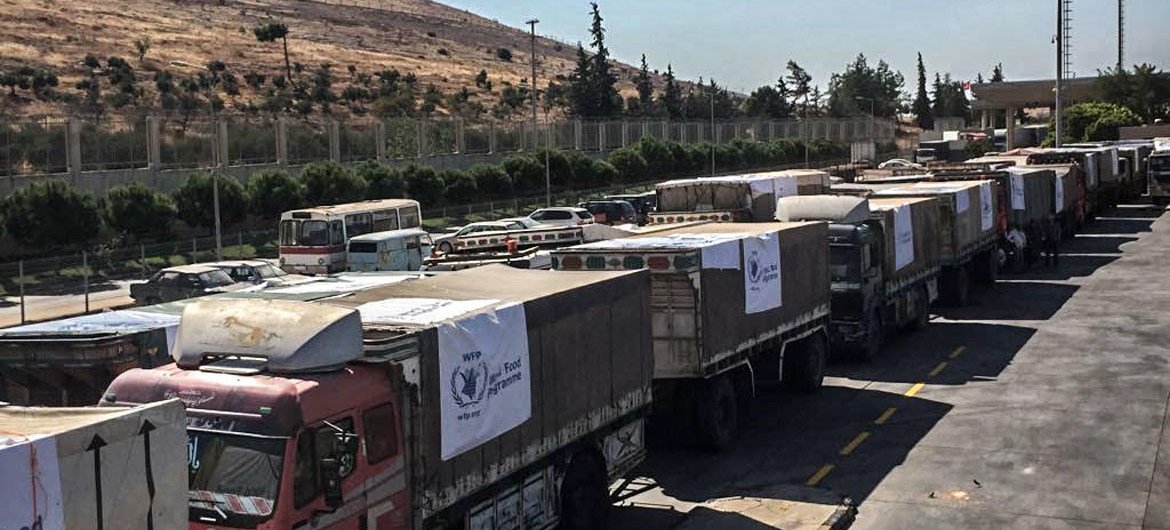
{"x": 320, "y": 261}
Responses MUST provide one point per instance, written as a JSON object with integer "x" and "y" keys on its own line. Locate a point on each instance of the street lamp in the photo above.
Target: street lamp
{"x": 547, "y": 171}
{"x": 712, "y": 130}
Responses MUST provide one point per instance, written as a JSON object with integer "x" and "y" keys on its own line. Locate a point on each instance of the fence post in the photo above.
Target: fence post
{"x": 194, "y": 250}
{"x": 625, "y": 133}
{"x": 85, "y": 277}
{"x": 577, "y": 135}
{"x": 422, "y": 138}
{"x": 334, "y": 130}
{"x": 221, "y": 138}
{"x": 20, "y": 273}
{"x": 153, "y": 145}
{"x": 282, "y": 141}
{"x": 380, "y": 140}
{"x": 492, "y": 140}
{"x": 142, "y": 258}
{"x": 460, "y": 146}
{"x": 73, "y": 147}
{"x": 601, "y": 136}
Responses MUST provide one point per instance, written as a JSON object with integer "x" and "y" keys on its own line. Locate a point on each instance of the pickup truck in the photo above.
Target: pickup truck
{"x": 491, "y": 235}
{"x": 490, "y": 398}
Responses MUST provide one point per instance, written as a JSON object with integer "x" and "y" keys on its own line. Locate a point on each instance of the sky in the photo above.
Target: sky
{"x": 745, "y": 44}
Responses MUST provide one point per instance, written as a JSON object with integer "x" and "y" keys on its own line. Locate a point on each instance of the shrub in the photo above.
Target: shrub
{"x": 328, "y": 182}
{"x": 560, "y": 171}
{"x": 51, "y": 214}
{"x": 504, "y": 54}
{"x": 195, "y": 199}
{"x": 630, "y": 165}
{"x": 382, "y": 181}
{"x": 657, "y": 153}
{"x": 1094, "y": 121}
{"x": 138, "y": 210}
{"x": 583, "y": 170}
{"x": 423, "y": 184}
{"x": 491, "y": 179}
{"x": 461, "y": 187}
{"x": 526, "y": 174}
{"x": 273, "y": 192}
{"x": 604, "y": 173}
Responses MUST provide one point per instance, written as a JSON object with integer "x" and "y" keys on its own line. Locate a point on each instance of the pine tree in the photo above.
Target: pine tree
{"x": 603, "y": 81}
{"x": 581, "y": 84}
{"x": 997, "y": 73}
{"x": 922, "y": 110}
{"x": 939, "y": 108}
{"x": 979, "y": 78}
{"x": 671, "y": 99}
{"x": 799, "y": 85}
{"x": 645, "y": 90}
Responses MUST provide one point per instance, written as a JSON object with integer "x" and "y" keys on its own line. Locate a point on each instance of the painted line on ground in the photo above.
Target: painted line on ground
{"x": 885, "y": 416}
{"x": 958, "y": 351}
{"x": 914, "y": 389}
{"x": 852, "y": 445}
{"x": 819, "y": 475}
{"x": 937, "y": 369}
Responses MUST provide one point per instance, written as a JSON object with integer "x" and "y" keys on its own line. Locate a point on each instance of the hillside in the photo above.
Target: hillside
{"x": 442, "y": 46}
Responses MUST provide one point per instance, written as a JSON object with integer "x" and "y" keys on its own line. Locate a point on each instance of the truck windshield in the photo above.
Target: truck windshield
{"x": 1160, "y": 163}
{"x": 845, "y": 263}
{"x": 233, "y": 480}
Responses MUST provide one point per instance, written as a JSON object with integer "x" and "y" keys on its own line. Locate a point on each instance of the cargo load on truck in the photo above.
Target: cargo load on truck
{"x": 487, "y": 398}
{"x": 733, "y": 198}
{"x": 732, "y": 304}
{"x": 93, "y": 468}
{"x": 1031, "y": 195}
{"x": 966, "y": 216}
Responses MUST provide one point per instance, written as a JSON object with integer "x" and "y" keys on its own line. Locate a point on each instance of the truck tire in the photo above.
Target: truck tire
{"x": 584, "y": 494}
{"x": 922, "y": 308}
{"x": 805, "y": 370}
{"x": 875, "y": 338}
{"x": 718, "y": 413}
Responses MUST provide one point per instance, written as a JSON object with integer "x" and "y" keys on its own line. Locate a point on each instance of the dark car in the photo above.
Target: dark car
{"x": 178, "y": 283}
{"x": 611, "y": 212}
{"x": 643, "y": 203}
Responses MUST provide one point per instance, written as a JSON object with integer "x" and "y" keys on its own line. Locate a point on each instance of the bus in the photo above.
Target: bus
{"x": 312, "y": 240}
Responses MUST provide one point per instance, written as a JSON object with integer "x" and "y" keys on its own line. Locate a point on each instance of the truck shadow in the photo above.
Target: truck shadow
{"x": 1101, "y": 244}
{"x": 1119, "y": 223}
{"x": 1017, "y": 299}
{"x": 784, "y": 441}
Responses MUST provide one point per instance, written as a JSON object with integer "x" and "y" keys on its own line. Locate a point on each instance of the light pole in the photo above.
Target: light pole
{"x": 547, "y": 171}
{"x": 712, "y": 130}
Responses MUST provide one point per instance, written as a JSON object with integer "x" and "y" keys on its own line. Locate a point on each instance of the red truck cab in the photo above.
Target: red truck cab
{"x": 320, "y": 449}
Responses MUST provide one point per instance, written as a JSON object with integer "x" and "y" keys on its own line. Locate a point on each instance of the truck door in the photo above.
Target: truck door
{"x": 675, "y": 321}
{"x": 315, "y": 444}
{"x": 387, "y": 502}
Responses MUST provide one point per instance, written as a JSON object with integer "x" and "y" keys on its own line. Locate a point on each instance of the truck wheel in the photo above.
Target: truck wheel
{"x": 584, "y": 494}
{"x": 718, "y": 413}
{"x": 875, "y": 338}
{"x": 922, "y": 308}
{"x": 806, "y": 370}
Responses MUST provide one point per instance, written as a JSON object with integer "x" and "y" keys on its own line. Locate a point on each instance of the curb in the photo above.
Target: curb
{"x": 842, "y": 518}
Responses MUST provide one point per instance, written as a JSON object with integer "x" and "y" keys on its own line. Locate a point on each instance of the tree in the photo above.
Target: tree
{"x": 582, "y": 101}
{"x": 949, "y": 97}
{"x": 423, "y": 184}
{"x": 504, "y": 54}
{"x": 526, "y": 173}
{"x": 603, "y": 79}
{"x": 196, "y": 200}
{"x": 481, "y": 80}
{"x": 382, "y": 181}
{"x": 671, "y": 99}
{"x": 142, "y": 46}
{"x": 924, "y": 115}
{"x": 460, "y": 187}
{"x": 1086, "y": 122}
{"x": 997, "y": 73}
{"x": 1145, "y": 91}
{"x": 645, "y": 90}
{"x": 765, "y": 102}
{"x": 629, "y": 164}
{"x": 799, "y": 85}
{"x": 51, "y": 214}
{"x": 273, "y": 192}
{"x": 322, "y": 91}
{"x": 860, "y": 84}
{"x": 271, "y": 31}
{"x": 328, "y": 182}
{"x": 491, "y": 179}
{"x": 139, "y": 211}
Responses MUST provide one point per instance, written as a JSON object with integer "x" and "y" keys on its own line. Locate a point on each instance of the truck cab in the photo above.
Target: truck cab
{"x": 1158, "y": 171}
{"x": 855, "y": 264}
{"x": 314, "y": 447}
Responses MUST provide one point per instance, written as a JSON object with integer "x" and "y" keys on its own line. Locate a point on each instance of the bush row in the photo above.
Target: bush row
{"x": 51, "y": 214}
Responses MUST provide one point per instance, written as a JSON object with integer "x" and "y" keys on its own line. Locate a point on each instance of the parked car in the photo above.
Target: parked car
{"x": 394, "y": 250}
{"x": 186, "y": 281}
{"x": 611, "y": 212}
{"x": 446, "y": 243}
{"x": 526, "y": 221}
{"x": 562, "y": 216}
{"x": 643, "y": 203}
{"x": 257, "y": 272}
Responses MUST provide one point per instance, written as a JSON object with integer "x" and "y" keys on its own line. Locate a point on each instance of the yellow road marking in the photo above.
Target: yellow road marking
{"x": 958, "y": 351}
{"x": 853, "y": 444}
{"x": 819, "y": 475}
{"x": 885, "y": 416}
{"x": 914, "y": 389}
{"x": 937, "y": 369}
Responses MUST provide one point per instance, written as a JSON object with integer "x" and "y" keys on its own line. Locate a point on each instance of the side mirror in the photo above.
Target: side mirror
{"x": 334, "y": 468}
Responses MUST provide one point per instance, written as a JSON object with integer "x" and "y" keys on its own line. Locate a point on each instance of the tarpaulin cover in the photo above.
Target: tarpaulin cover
{"x": 925, "y": 234}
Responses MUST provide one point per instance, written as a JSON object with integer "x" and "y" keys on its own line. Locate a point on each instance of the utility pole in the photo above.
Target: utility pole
{"x": 1059, "y": 66}
{"x": 712, "y": 130}
{"x": 547, "y": 171}
{"x": 1120, "y": 35}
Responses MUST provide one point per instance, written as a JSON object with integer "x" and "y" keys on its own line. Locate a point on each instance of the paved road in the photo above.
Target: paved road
{"x": 1043, "y": 406}
{"x": 37, "y": 308}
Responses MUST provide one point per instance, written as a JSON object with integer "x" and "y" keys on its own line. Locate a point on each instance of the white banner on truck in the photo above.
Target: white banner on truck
{"x": 987, "y": 206}
{"x": 1060, "y": 194}
{"x": 761, "y": 273}
{"x": 31, "y": 494}
{"x": 418, "y": 310}
{"x": 484, "y": 378}
{"x": 903, "y": 237}
{"x": 1018, "y": 192}
{"x": 962, "y": 200}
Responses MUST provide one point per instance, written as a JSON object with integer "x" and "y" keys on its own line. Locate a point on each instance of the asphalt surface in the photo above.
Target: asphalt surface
{"x": 109, "y": 295}
{"x": 1043, "y": 405}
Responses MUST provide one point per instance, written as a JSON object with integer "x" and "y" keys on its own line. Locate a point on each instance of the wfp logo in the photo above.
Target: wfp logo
{"x": 755, "y": 272}
{"x": 469, "y": 383}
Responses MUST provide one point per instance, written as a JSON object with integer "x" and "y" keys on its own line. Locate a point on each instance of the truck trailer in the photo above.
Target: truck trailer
{"x": 489, "y": 398}
{"x": 742, "y": 198}
{"x": 734, "y": 305}
{"x": 1158, "y": 173}
{"x": 883, "y": 264}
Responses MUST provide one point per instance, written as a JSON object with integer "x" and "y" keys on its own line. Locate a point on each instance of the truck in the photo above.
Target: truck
{"x": 742, "y": 198}
{"x": 941, "y": 151}
{"x": 1088, "y": 162}
{"x": 734, "y": 306}
{"x": 1109, "y": 176}
{"x": 70, "y": 362}
{"x": 93, "y": 468}
{"x": 1158, "y": 172}
{"x": 489, "y": 398}
{"x": 883, "y": 264}
{"x": 493, "y": 236}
